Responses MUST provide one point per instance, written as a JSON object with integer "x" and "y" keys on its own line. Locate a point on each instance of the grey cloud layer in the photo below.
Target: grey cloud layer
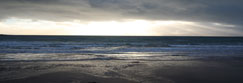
{"x": 223, "y": 11}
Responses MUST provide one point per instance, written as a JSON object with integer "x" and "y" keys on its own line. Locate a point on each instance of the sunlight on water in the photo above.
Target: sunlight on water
{"x": 117, "y": 49}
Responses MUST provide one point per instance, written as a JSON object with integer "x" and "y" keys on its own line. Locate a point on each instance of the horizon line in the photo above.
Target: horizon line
{"x": 113, "y": 35}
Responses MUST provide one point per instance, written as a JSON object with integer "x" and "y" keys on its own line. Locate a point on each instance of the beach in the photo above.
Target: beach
{"x": 117, "y": 60}
{"x": 122, "y": 72}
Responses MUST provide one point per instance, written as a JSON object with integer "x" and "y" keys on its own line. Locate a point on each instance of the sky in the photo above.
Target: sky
{"x": 122, "y": 17}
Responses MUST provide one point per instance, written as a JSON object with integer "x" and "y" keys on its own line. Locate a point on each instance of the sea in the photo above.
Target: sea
{"x": 147, "y": 48}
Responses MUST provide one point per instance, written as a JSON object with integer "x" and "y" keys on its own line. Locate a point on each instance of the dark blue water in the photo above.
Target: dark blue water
{"x": 131, "y": 39}
{"x": 117, "y": 48}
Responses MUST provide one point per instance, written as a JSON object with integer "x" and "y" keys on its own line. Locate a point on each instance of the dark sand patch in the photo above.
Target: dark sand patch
{"x": 205, "y": 72}
{"x": 67, "y": 77}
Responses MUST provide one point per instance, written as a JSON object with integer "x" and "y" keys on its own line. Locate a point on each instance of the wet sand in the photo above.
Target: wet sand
{"x": 67, "y": 77}
{"x": 123, "y": 71}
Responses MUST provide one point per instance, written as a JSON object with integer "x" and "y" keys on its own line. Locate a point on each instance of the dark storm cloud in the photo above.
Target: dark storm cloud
{"x": 222, "y": 11}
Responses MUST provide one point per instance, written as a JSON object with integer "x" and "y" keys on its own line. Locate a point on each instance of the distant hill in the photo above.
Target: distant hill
{"x": 3, "y": 35}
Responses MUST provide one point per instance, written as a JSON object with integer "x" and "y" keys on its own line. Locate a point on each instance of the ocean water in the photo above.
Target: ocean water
{"x": 81, "y": 48}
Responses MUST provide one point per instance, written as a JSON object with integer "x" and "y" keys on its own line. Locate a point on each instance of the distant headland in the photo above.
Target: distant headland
{"x": 2, "y": 34}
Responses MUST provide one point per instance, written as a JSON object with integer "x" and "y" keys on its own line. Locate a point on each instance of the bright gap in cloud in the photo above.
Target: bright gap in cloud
{"x": 130, "y": 27}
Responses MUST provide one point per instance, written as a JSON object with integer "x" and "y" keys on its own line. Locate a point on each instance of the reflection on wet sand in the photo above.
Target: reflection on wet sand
{"x": 123, "y": 71}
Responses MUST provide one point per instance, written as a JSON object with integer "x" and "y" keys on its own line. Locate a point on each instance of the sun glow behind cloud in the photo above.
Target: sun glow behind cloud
{"x": 130, "y": 27}
{"x": 122, "y": 17}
